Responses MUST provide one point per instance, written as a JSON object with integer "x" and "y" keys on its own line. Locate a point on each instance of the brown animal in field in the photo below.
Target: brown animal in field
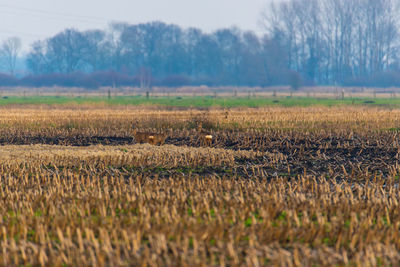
{"x": 149, "y": 137}
{"x": 205, "y": 136}
{"x": 157, "y": 138}
{"x": 140, "y": 137}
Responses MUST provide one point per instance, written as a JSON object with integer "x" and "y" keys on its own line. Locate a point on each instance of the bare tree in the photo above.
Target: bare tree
{"x": 9, "y": 52}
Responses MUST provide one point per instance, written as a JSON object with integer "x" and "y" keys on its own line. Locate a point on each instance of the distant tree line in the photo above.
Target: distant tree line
{"x": 353, "y": 42}
{"x": 154, "y": 54}
{"x": 344, "y": 42}
{"x": 167, "y": 54}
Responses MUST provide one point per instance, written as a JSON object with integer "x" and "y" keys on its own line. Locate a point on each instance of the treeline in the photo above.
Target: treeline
{"x": 153, "y": 54}
{"x": 165, "y": 54}
{"x": 343, "y": 42}
{"x": 354, "y": 42}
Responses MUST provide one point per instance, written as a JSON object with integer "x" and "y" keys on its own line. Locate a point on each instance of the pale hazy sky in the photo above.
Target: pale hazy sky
{"x": 37, "y": 19}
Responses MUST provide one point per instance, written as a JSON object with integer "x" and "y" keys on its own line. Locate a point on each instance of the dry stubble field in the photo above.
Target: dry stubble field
{"x": 279, "y": 186}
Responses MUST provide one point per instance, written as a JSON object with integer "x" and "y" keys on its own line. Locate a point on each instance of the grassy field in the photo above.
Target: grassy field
{"x": 278, "y": 186}
{"x": 203, "y": 101}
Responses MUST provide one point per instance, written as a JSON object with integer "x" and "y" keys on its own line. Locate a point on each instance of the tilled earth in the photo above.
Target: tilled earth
{"x": 337, "y": 156}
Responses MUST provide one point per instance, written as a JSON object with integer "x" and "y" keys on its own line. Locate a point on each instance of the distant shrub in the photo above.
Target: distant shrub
{"x": 110, "y": 78}
{"x": 381, "y": 79}
{"x": 175, "y": 80}
{"x": 385, "y": 79}
{"x": 8, "y": 80}
{"x": 78, "y": 79}
{"x": 57, "y": 79}
{"x": 295, "y": 80}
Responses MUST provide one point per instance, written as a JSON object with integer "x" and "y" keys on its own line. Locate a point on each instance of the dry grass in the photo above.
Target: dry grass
{"x": 288, "y": 187}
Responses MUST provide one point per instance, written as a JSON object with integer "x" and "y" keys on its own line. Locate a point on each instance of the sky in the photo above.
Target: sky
{"x": 34, "y": 20}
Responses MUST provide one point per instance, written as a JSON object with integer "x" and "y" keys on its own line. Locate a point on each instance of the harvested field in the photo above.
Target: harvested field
{"x": 278, "y": 186}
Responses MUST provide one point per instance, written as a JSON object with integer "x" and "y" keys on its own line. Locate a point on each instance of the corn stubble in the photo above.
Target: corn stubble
{"x": 289, "y": 187}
